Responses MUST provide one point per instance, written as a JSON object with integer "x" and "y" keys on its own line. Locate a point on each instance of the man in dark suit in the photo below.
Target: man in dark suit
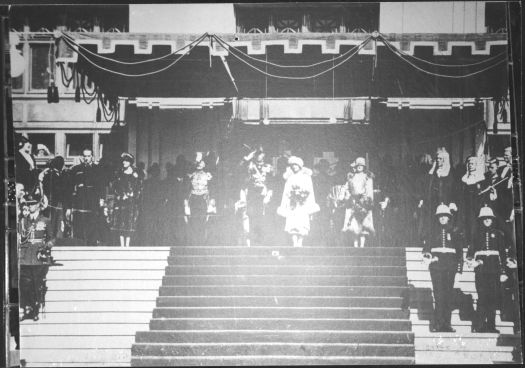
{"x": 87, "y": 194}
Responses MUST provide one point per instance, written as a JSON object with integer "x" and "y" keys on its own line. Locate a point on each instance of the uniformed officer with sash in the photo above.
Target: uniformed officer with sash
{"x": 443, "y": 252}
{"x": 36, "y": 242}
{"x": 488, "y": 255}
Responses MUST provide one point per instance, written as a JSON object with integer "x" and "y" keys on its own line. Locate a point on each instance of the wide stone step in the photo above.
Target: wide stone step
{"x": 280, "y": 290}
{"x": 238, "y": 323}
{"x": 74, "y": 341}
{"x": 129, "y": 274}
{"x": 283, "y": 301}
{"x": 297, "y": 336}
{"x": 85, "y": 284}
{"x": 287, "y": 270}
{"x": 99, "y": 306}
{"x": 66, "y": 356}
{"x": 112, "y": 294}
{"x": 96, "y": 317}
{"x": 464, "y": 357}
{"x": 461, "y": 343}
{"x": 287, "y": 260}
{"x": 275, "y": 348}
{"x": 286, "y": 251}
{"x": 93, "y": 329}
{"x": 111, "y": 253}
{"x": 333, "y": 280}
{"x": 267, "y": 360}
{"x": 274, "y": 312}
{"x": 110, "y": 264}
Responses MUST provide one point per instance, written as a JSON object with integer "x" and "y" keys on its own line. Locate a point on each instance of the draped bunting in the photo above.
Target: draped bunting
{"x": 374, "y": 71}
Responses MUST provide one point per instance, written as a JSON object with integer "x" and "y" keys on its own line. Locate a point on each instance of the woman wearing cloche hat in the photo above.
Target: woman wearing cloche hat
{"x": 298, "y": 200}
{"x": 358, "y": 217}
{"x": 127, "y": 187}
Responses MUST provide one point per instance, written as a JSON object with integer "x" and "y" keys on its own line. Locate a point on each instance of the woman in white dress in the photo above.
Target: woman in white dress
{"x": 298, "y": 201}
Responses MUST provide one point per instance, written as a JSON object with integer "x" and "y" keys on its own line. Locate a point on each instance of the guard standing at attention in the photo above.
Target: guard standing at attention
{"x": 36, "y": 241}
{"x": 443, "y": 252}
{"x": 488, "y": 255}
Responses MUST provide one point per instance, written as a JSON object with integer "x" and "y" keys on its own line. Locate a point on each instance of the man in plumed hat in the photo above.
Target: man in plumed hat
{"x": 36, "y": 241}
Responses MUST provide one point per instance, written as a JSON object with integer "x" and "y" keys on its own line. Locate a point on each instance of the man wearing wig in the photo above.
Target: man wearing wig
{"x": 441, "y": 187}
{"x": 298, "y": 200}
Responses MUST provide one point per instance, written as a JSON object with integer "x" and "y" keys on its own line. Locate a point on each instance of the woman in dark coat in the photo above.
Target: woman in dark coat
{"x": 26, "y": 170}
{"x": 127, "y": 188}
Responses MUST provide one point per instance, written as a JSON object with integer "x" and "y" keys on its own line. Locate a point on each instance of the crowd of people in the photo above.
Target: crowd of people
{"x": 256, "y": 203}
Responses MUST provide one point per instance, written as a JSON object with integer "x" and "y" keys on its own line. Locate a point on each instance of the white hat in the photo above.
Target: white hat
{"x": 360, "y": 161}
{"x": 443, "y": 209}
{"x": 486, "y": 212}
{"x": 294, "y": 160}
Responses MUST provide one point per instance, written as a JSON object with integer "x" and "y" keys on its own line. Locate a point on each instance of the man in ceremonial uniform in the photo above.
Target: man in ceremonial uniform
{"x": 87, "y": 195}
{"x": 443, "y": 252}
{"x": 257, "y": 194}
{"x": 36, "y": 241}
{"x": 488, "y": 255}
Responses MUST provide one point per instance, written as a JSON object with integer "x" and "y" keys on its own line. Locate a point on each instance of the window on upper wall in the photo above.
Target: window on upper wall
{"x": 17, "y": 84}
{"x": 72, "y": 16}
{"x": 495, "y": 17}
{"x": 310, "y": 17}
{"x": 288, "y": 22}
{"x": 43, "y": 144}
{"x": 40, "y": 63}
{"x": 325, "y": 21}
{"x": 78, "y": 142}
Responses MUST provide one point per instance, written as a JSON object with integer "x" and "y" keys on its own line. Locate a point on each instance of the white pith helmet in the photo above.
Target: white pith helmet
{"x": 443, "y": 209}
{"x": 486, "y": 212}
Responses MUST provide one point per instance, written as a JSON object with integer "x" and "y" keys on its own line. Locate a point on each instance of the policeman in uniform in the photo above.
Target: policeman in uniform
{"x": 36, "y": 241}
{"x": 86, "y": 199}
{"x": 488, "y": 255}
{"x": 443, "y": 252}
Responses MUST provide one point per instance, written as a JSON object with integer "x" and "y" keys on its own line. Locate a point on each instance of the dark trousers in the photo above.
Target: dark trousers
{"x": 488, "y": 289}
{"x": 442, "y": 287}
{"x": 85, "y": 227}
{"x": 197, "y": 220}
{"x": 257, "y": 217}
{"x": 32, "y": 286}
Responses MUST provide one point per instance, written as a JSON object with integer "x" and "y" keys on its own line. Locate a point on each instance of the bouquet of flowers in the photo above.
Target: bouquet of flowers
{"x": 298, "y": 195}
{"x": 361, "y": 204}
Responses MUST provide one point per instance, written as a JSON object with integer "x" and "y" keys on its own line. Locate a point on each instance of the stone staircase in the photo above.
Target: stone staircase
{"x": 279, "y": 306}
{"x": 463, "y": 346}
{"x": 97, "y": 299}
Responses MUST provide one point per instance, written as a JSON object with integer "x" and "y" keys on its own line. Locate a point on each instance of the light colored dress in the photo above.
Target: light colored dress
{"x": 358, "y": 216}
{"x": 298, "y": 202}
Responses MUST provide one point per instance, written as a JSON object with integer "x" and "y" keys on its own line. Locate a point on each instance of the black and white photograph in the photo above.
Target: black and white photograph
{"x": 273, "y": 183}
